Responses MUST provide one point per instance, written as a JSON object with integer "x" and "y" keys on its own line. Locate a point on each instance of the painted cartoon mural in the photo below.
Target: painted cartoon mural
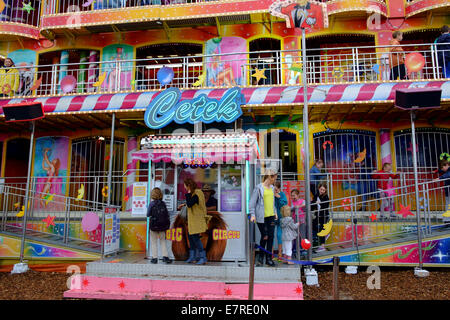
{"x": 225, "y": 70}
{"x": 116, "y": 75}
{"x": 50, "y": 168}
{"x": 25, "y": 60}
{"x": 300, "y": 13}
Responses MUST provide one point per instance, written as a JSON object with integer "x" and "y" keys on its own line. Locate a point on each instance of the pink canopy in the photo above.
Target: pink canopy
{"x": 219, "y": 148}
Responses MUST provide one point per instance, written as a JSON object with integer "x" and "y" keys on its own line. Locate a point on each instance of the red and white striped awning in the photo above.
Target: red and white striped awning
{"x": 317, "y": 94}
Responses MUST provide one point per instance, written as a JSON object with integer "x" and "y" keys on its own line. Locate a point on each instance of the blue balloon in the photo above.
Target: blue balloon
{"x": 376, "y": 68}
{"x": 165, "y": 75}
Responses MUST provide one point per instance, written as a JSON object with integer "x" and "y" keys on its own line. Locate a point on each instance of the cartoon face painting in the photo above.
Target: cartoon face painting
{"x": 300, "y": 13}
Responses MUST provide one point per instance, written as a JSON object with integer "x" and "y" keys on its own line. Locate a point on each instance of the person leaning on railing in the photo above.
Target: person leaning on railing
{"x": 9, "y": 79}
{"x": 397, "y": 57}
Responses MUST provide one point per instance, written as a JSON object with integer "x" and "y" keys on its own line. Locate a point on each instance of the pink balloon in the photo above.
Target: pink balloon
{"x": 90, "y": 222}
{"x": 68, "y": 83}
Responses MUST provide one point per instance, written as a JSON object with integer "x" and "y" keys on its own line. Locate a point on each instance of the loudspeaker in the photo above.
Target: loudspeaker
{"x": 418, "y": 98}
{"x": 23, "y": 112}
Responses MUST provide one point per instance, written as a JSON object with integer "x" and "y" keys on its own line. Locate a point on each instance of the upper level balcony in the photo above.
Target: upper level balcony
{"x": 128, "y": 15}
{"x": 355, "y": 65}
{"x": 414, "y": 7}
{"x": 19, "y": 18}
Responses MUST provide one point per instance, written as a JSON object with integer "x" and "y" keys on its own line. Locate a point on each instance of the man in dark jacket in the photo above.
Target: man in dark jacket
{"x": 443, "y": 51}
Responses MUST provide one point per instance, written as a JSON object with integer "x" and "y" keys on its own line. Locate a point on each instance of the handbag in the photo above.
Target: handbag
{"x": 183, "y": 213}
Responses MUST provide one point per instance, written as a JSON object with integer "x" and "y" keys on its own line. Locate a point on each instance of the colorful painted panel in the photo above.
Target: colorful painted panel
{"x": 25, "y": 59}
{"x": 118, "y": 74}
{"x": 50, "y": 168}
{"x": 10, "y": 248}
{"x": 434, "y": 252}
{"x": 227, "y": 69}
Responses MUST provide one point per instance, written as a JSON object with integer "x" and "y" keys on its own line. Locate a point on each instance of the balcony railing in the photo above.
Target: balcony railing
{"x": 64, "y": 6}
{"x": 323, "y": 66}
{"x": 24, "y": 12}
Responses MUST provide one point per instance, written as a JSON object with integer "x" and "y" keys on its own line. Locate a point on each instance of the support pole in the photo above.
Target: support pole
{"x": 251, "y": 280}
{"x": 108, "y": 201}
{"x": 27, "y": 191}
{"x": 149, "y": 190}
{"x": 306, "y": 145}
{"x": 416, "y": 185}
{"x": 335, "y": 278}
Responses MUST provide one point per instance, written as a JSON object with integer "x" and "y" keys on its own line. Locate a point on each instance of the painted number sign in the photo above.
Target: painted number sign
{"x": 167, "y": 107}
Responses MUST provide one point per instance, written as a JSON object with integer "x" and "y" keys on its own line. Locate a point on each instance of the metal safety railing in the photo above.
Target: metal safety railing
{"x": 63, "y": 6}
{"x": 23, "y": 12}
{"x": 56, "y": 213}
{"x": 364, "y": 219}
{"x": 279, "y": 67}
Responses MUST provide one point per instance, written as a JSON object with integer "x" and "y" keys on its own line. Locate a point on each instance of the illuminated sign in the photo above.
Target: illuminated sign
{"x": 167, "y": 107}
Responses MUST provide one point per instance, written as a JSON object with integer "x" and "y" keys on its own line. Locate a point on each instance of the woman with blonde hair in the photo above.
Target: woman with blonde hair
{"x": 262, "y": 209}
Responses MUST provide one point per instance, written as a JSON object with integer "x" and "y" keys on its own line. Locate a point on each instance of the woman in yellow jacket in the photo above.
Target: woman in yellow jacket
{"x": 196, "y": 218}
{"x": 9, "y": 79}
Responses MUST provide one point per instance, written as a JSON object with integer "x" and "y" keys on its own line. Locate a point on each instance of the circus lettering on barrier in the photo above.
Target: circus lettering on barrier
{"x": 167, "y": 107}
{"x": 219, "y": 234}
{"x": 175, "y": 234}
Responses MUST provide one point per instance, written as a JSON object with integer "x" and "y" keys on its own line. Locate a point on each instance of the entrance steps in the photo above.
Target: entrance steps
{"x": 122, "y": 288}
{"x": 129, "y": 275}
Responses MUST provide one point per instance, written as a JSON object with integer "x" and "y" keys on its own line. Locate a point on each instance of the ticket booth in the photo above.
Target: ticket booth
{"x": 223, "y": 166}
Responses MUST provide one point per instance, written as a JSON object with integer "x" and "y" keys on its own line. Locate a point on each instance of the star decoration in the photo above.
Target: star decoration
{"x": 390, "y": 192}
{"x": 297, "y": 67}
{"x": 49, "y": 220}
{"x": 85, "y": 282}
{"x": 126, "y": 198}
{"x": 373, "y": 217}
{"x": 228, "y": 292}
{"x": 122, "y": 285}
{"x": 298, "y": 290}
{"x": 405, "y": 211}
{"x": 133, "y": 82}
{"x": 27, "y": 7}
{"x": 259, "y": 74}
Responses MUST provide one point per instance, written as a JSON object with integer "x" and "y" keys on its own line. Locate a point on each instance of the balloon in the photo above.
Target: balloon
{"x": 165, "y": 75}
{"x": 90, "y": 222}
{"x": 306, "y": 244}
{"x": 376, "y": 68}
{"x": 414, "y": 62}
{"x": 68, "y": 83}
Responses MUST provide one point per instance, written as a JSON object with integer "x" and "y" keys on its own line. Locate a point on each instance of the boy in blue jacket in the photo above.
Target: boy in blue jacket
{"x": 316, "y": 175}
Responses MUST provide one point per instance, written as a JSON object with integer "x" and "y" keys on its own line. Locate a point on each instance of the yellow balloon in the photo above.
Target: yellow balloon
{"x": 2, "y": 5}
{"x": 101, "y": 78}
{"x": 80, "y": 193}
{"x": 326, "y": 229}
{"x": 21, "y": 212}
{"x": 361, "y": 156}
{"x": 447, "y": 213}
